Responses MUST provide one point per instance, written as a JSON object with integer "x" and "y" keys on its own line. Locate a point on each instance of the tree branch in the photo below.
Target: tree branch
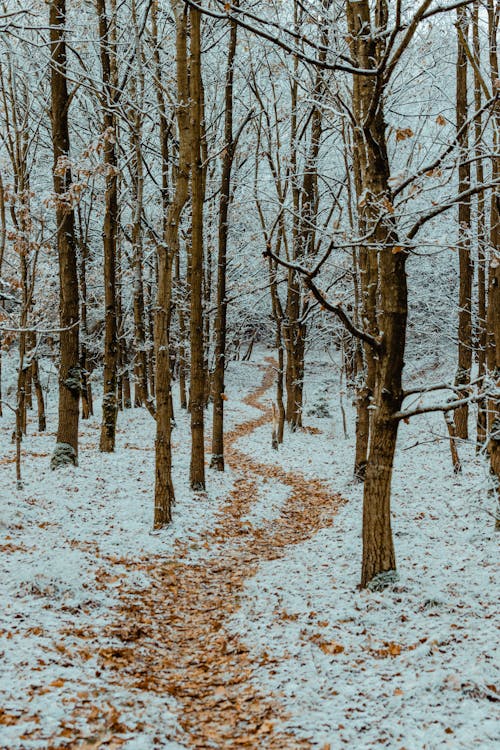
{"x": 448, "y": 406}
{"x": 319, "y": 297}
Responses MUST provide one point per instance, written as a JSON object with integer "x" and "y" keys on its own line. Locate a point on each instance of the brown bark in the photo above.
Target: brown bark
{"x": 141, "y": 396}
{"x": 378, "y": 549}
{"x": 37, "y": 387}
{"x": 493, "y": 314}
{"x": 462, "y": 377}
{"x": 3, "y": 237}
{"x": 277, "y": 311}
{"x": 66, "y": 450}
{"x": 197, "y": 384}
{"x": 107, "y": 49}
{"x": 217, "y": 461}
{"x": 367, "y": 261}
{"x": 86, "y": 390}
{"x": 292, "y": 307}
{"x": 481, "y": 232}
{"x": 452, "y": 433}
{"x": 182, "y": 335}
{"x": 164, "y": 490}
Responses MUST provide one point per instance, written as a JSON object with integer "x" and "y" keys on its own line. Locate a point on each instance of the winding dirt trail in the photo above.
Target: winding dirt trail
{"x": 177, "y": 628}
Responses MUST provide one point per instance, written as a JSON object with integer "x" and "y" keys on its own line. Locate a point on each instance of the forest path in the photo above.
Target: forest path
{"x": 175, "y": 632}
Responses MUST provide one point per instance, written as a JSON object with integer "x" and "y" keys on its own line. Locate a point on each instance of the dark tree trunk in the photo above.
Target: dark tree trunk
{"x": 217, "y": 461}
{"x": 462, "y": 377}
{"x": 164, "y": 489}
{"x": 66, "y": 450}
{"x": 197, "y": 384}
{"x": 110, "y": 229}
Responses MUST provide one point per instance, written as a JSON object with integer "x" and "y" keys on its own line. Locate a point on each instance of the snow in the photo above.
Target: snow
{"x": 411, "y": 667}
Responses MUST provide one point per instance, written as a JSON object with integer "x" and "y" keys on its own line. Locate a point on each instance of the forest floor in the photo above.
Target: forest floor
{"x": 241, "y": 625}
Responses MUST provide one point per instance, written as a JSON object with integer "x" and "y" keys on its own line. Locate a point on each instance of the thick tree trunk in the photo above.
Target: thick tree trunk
{"x": 66, "y": 450}
{"x": 379, "y": 562}
{"x": 378, "y": 549}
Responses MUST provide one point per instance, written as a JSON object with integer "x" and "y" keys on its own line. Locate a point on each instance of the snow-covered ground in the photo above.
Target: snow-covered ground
{"x": 412, "y": 667}
{"x": 417, "y": 665}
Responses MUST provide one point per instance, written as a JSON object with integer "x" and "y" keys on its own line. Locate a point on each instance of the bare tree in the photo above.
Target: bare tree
{"x": 66, "y": 450}
{"x": 198, "y": 374}
{"x": 107, "y": 50}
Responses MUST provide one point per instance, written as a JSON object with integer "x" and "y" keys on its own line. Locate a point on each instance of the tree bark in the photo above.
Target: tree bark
{"x": 66, "y": 450}
{"x": 164, "y": 489}
{"x": 462, "y": 377}
{"x": 379, "y": 562}
{"x": 493, "y": 314}
{"x": 480, "y": 233}
{"x": 141, "y": 396}
{"x": 217, "y": 461}
{"x": 107, "y": 50}
{"x": 197, "y": 384}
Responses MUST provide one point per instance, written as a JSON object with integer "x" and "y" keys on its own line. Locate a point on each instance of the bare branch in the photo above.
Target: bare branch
{"x": 283, "y": 45}
{"x": 448, "y": 406}
{"x": 319, "y": 297}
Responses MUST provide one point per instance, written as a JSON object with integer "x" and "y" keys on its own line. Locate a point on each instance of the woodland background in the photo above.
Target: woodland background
{"x": 196, "y": 196}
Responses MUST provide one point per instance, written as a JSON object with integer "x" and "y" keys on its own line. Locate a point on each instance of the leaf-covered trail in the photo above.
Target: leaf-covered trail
{"x": 174, "y": 633}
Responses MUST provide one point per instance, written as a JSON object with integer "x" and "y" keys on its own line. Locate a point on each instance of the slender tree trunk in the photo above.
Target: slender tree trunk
{"x": 35, "y": 375}
{"x": 164, "y": 490}
{"x": 292, "y": 308}
{"x": 87, "y": 404}
{"x": 278, "y": 321}
{"x": 86, "y": 391}
{"x": 367, "y": 263}
{"x": 481, "y": 234}
{"x": 220, "y": 323}
{"x": 107, "y": 50}
{"x": 3, "y": 237}
{"x": 66, "y": 450}
{"x": 197, "y": 384}
{"x": 462, "y": 377}
{"x": 141, "y": 396}
{"x": 493, "y": 314}
{"x": 182, "y": 336}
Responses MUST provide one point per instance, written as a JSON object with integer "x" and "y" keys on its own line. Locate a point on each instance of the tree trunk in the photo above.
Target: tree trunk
{"x": 462, "y": 377}
{"x": 493, "y": 314}
{"x": 107, "y": 50}
{"x": 197, "y": 384}
{"x": 87, "y": 404}
{"x": 379, "y": 562}
{"x": 480, "y": 235}
{"x": 35, "y": 376}
{"x": 164, "y": 490}
{"x": 141, "y": 396}
{"x": 217, "y": 461}
{"x": 66, "y": 450}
